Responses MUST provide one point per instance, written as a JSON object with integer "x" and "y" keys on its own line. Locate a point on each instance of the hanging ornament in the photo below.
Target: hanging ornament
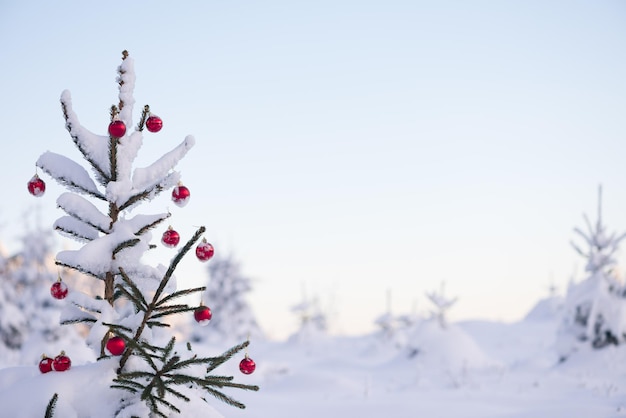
{"x": 117, "y": 128}
{"x": 154, "y": 123}
{"x": 59, "y": 290}
{"x": 61, "y": 363}
{"x": 203, "y": 315}
{"x": 36, "y": 186}
{"x": 180, "y": 195}
{"x": 170, "y": 238}
{"x": 45, "y": 365}
{"x": 247, "y": 365}
{"x": 116, "y": 346}
{"x": 204, "y": 251}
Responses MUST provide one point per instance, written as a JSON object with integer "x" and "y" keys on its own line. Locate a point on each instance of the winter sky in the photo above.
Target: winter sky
{"x": 345, "y": 148}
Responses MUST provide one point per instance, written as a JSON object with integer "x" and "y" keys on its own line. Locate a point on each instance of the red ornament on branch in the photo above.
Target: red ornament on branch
{"x": 117, "y": 128}
{"x": 59, "y": 290}
{"x": 180, "y": 195}
{"x": 170, "y": 238}
{"x": 36, "y": 186}
{"x": 61, "y": 363}
{"x": 45, "y": 365}
{"x": 154, "y": 123}
{"x": 203, "y": 315}
{"x": 247, "y": 365}
{"x": 204, "y": 251}
{"x": 116, "y": 346}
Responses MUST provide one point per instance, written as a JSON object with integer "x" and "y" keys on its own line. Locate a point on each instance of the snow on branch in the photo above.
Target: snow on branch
{"x": 148, "y": 177}
{"x": 89, "y": 258}
{"x": 142, "y": 223}
{"x": 95, "y": 148}
{"x": 77, "y": 229}
{"x": 126, "y": 81}
{"x": 68, "y": 173}
{"x": 84, "y": 211}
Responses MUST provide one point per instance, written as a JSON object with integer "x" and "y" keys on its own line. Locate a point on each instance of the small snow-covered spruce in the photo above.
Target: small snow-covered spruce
{"x": 595, "y": 308}
{"x": 226, "y": 290}
{"x": 137, "y": 298}
{"x": 442, "y": 305}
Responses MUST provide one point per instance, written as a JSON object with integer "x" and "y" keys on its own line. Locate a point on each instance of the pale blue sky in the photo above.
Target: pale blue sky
{"x": 349, "y": 146}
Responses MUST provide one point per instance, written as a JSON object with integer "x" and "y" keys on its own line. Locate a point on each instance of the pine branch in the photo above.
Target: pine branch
{"x": 144, "y": 116}
{"x": 172, "y": 312}
{"x": 77, "y": 321}
{"x": 136, "y": 293}
{"x": 76, "y": 216}
{"x": 67, "y": 113}
{"x": 218, "y": 361}
{"x": 152, "y": 225}
{"x": 51, "y": 405}
{"x": 73, "y": 234}
{"x": 79, "y": 269}
{"x": 126, "y": 244}
{"x": 145, "y": 195}
{"x": 224, "y": 398}
{"x": 179, "y": 294}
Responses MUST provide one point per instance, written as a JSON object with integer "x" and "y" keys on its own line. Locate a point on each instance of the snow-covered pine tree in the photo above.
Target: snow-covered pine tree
{"x": 154, "y": 374}
{"x": 313, "y": 321}
{"x": 13, "y": 323}
{"x": 442, "y": 305}
{"x": 226, "y": 293}
{"x": 595, "y": 308}
{"x": 31, "y": 274}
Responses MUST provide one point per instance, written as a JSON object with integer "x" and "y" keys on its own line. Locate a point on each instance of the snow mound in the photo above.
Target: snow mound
{"x": 547, "y": 309}
{"x": 450, "y": 348}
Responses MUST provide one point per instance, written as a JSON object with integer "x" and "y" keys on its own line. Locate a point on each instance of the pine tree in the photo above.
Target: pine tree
{"x": 595, "y": 309}
{"x": 13, "y": 323}
{"x": 226, "y": 292}
{"x": 154, "y": 374}
{"x": 31, "y": 274}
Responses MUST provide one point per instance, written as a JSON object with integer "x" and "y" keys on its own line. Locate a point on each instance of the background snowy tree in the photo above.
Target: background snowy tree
{"x": 442, "y": 305}
{"x": 313, "y": 321}
{"x": 13, "y": 323}
{"x": 595, "y": 308}
{"x": 31, "y": 274}
{"x": 153, "y": 375}
{"x": 226, "y": 292}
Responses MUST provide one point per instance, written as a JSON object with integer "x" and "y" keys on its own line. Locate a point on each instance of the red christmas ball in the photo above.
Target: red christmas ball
{"x": 58, "y": 290}
{"x": 203, "y": 315}
{"x": 61, "y": 363}
{"x": 154, "y": 123}
{"x": 204, "y": 251}
{"x": 180, "y": 195}
{"x": 117, "y": 128}
{"x": 170, "y": 238}
{"x": 45, "y": 365}
{"x": 116, "y": 346}
{"x": 36, "y": 186}
{"x": 247, "y": 365}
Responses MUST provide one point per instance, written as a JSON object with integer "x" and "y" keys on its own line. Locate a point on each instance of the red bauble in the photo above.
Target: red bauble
{"x": 117, "y": 128}
{"x": 61, "y": 363}
{"x": 204, "y": 251}
{"x": 170, "y": 238}
{"x": 180, "y": 195}
{"x": 247, "y": 365}
{"x": 45, "y": 365}
{"x": 203, "y": 315}
{"x": 58, "y": 290}
{"x": 36, "y": 186}
{"x": 116, "y": 346}
{"x": 154, "y": 123}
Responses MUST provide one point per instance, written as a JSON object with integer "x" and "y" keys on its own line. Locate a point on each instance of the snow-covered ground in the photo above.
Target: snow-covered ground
{"x": 470, "y": 369}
